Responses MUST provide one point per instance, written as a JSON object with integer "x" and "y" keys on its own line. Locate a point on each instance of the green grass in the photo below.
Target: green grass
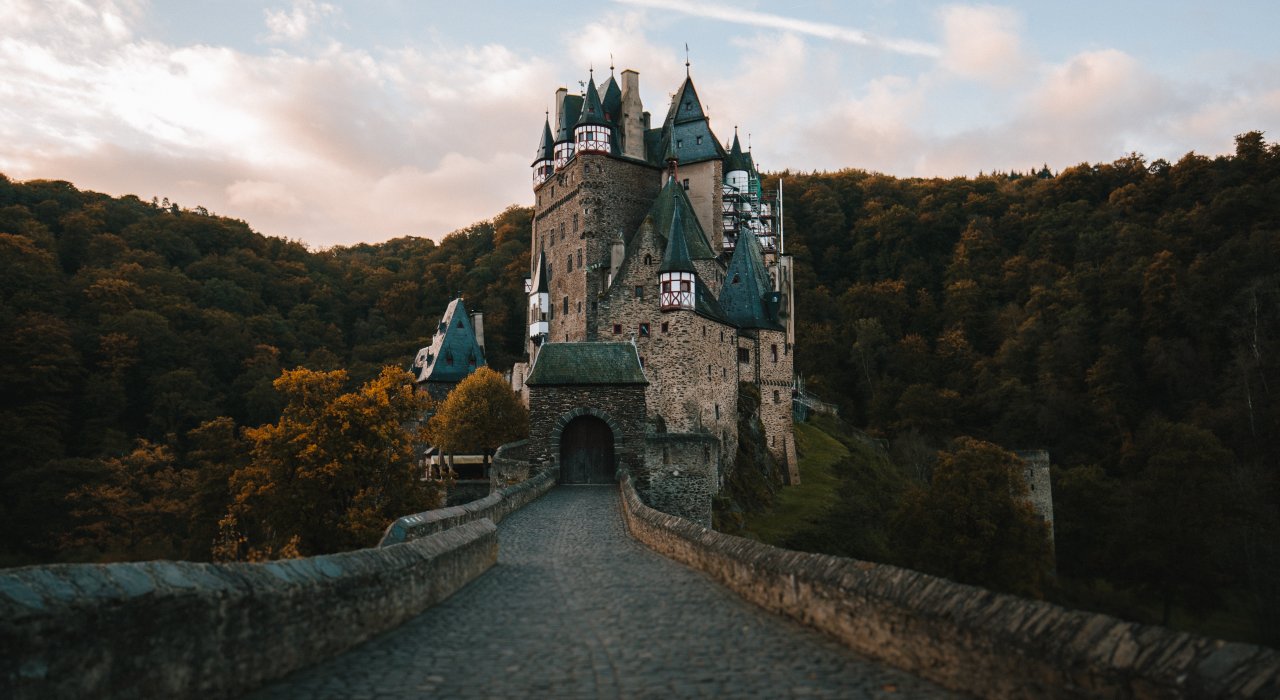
{"x": 800, "y": 506}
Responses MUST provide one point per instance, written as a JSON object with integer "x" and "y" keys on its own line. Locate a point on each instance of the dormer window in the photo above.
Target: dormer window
{"x": 679, "y": 143}
{"x": 448, "y": 358}
{"x": 459, "y": 323}
{"x": 699, "y": 140}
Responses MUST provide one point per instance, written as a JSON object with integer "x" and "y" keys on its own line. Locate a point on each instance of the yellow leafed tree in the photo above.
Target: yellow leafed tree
{"x": 332, "y": 472}
{"x": 479, "y": 415}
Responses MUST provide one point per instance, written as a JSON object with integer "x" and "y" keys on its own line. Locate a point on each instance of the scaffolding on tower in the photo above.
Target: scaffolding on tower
{"x": 746, "y": 208}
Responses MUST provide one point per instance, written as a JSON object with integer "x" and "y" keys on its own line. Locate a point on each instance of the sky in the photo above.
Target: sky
{"x": 334, "y": 123}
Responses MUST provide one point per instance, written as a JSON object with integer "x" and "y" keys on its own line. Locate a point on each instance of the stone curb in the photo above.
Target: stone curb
{"x": 495, "y": 507}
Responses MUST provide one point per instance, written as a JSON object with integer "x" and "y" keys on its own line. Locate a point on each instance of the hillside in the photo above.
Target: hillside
{"x": 122, "y": 319}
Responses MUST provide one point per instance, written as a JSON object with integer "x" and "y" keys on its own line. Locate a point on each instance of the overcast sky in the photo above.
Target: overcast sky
{"x": 341, "y": 122}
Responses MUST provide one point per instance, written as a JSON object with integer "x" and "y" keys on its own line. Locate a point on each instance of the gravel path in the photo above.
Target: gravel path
{"x": 575, "y": 608}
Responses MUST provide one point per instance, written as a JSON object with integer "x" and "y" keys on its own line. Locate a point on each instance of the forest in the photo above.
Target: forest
{"x": 1123, "y": 316}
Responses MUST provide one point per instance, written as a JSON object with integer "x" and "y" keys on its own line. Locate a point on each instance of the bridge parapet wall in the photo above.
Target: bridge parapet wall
{"x": 186, "y": 629}
{"x": 963, "y": 637}
{"x": 494, "y": 507}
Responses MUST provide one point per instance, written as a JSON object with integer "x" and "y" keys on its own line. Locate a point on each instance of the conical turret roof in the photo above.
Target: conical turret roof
{"x": 541, "y": 279}
{"x": 737, "y": 159}
{"x": 676, "y": 258}
{"x": 745, "y": 286}
{"x": 612, "y": 101}
{"x": 546, "y": 147}
{"x": 570, "y": 110}
{"x": 685, "y": 106}
{"x": 592, "y": 111}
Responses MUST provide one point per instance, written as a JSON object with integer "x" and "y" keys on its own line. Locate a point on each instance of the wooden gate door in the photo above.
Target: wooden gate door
{"x": 586, "y": 452}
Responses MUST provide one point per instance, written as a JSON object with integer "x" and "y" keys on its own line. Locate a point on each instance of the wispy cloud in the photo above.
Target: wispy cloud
{"x": 296, "y": 23}
{"x": 834, "y": 32}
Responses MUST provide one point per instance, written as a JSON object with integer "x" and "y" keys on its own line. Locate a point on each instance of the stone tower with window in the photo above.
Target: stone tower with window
{"x": 662, "y": 237}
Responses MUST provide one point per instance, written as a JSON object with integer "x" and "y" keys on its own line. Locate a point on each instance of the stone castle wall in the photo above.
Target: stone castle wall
{"x": 1039, "y": 486}
{"x": 775, "y": 366}
{"x": 578, "y": 211}
{"x": 680, "y": 475}
{"x": 624, "y": 404}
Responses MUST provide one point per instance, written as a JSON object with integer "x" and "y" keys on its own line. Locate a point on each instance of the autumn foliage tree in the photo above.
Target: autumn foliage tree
{"x": 331, "y": 473}
{"x": 479, "y": 415}
{"x": 974, "y": 524}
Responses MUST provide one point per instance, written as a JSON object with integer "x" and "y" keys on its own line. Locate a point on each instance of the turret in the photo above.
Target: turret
{"x": 543, "y": 162}
{"x": 737, "y": 167}
{"x": 568, "y": 108}
{"x": 634, "y": 122}
{"x": 593, "y": 133}
{"x": 539, "y": 302}
{"x": 676, "y": 277}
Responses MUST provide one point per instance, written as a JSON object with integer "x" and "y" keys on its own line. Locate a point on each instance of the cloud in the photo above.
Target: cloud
{"x": 297, "y": 22}
{"x": 260, "y": 196}
{"x": 983, "y": 43}
{"x": 824, "y": 30}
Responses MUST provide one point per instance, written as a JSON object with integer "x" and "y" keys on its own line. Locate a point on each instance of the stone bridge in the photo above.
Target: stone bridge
{"x": 582, "y": 602}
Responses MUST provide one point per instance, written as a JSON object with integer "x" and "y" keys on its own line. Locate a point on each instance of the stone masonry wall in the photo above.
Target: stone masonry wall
{"x": 625, "y": 405}
{"x": 691, "y": 365}
{"x": 706, "y": 196}
{"x": 680, "y": 475}
{"x": 963, "y": 637}
{"x": 577, "y": 213}
{"x": 1039, "y": 486}
{"x": 775, "y": 363}
{"x": 164, "y": 629}
{"x": 495, "y": 507}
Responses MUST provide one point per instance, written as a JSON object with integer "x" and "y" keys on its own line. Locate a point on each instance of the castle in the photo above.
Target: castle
{"x": 659, "y": 283}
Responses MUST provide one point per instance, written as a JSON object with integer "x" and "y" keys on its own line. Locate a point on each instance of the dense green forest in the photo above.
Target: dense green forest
{"x": 123, "y": 320}
{"x": 1123, "y": 316}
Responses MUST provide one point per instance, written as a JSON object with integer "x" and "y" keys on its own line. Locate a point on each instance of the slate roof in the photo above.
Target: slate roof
{"x": 737, "y": 159}
{"x": 745, "y": 285}
{"x": 676, "y": 258}
{"x": 674, "y": 197}
{"x": 612, "y": 101}
{"x": 540, "y": 277}
{"x": 449, "y": 357}
{"x": 561, "y": 364}
{"x": 546, "y": 147}
{"x": 592, "y": 112}
{"x": 569, "y": 113}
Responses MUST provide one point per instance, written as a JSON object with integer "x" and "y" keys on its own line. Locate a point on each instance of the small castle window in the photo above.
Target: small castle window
{"x": 685, "y": 183}
{"x": 579, "y": 306}
{"x": 699, "y": 140}
{"x": 579, "y": 257}
{"x": 459, "y": 323}
{"x": 575, "y": 223}
{"x": 448, "y": 358}
{"x": 471, "y": 360}
{"x": 708, "y": 371}
{"x": 744, "y": 355}
{"x": 565, "y": 303}
{"x": 717, "y": 411}
{"x": 644, "y": 330}
{"x": 776, "y": 399}
{"x": 639, "y": 291}
{"x": 774, "y": 349}
{"x": 688, "y": 105}
{"x": 679, "y": 143}
{"x": 724, "y": 372}
{"x": 736, "y": 279}
{"x": 617, "y": 329}
{"x": 642, "y": 361}
{"x": 648, "y": 259}
{"x": 666, "y": 327}
{"x": 570, "y": 263}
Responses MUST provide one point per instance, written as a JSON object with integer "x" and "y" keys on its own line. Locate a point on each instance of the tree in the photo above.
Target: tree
{"x": 332, "y": 473}
{"x": 480, "y": 414}
{"x": 974, "y": 523}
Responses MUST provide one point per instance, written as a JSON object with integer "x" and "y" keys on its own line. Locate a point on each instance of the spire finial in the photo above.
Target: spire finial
{"x": 591, "y": 70}
{"x": 686, "y": 59}
{"x": 611, "y": 64}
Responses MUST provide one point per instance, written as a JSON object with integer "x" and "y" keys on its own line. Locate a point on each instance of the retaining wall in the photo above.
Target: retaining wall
{"x": 963, "y": 637}
{"x": 494, "y": 507}
{"x": 185, "y": 629}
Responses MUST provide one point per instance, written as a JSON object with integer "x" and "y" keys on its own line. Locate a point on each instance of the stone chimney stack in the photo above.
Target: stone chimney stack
{"x": 633, "y": 122}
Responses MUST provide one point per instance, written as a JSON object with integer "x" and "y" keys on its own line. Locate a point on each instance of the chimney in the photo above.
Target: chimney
{"x": 477, "y": 322}
{"x": 633, "y": 116}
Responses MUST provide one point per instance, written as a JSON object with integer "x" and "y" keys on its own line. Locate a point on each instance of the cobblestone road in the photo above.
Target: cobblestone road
{"x": 577, "y": 609}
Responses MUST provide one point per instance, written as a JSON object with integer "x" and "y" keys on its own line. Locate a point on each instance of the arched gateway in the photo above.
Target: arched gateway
{"x": 586, "y": 452}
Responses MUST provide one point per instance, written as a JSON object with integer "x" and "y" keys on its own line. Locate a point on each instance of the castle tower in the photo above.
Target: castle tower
{"x": 593, "y": 133}
{"x": 568, "y": 110}
{"x": 677, "y": 277}
{"x": 543, "y": 162}
{"x": 539, "y": 305}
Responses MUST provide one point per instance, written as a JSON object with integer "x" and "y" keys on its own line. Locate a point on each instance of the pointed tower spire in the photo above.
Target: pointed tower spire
{"x": 543, "y": 161}
{"x": 677, "y": 277}
{"x": 593, "y": 133}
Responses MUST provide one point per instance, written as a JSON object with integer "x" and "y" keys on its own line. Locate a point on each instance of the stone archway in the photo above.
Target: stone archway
{"x": 586, "y": 442}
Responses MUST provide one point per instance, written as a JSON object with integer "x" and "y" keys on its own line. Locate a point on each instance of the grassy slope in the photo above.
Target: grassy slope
{"x": 799, "y": 507}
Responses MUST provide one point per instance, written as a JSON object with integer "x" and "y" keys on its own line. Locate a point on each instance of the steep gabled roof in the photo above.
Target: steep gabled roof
{"x": 559, "y": 364}
{"x": 746, "y": 283}
{"x": 570, "y": 110}
{"x": 546, "y": 147}
{"x": 685, "y": 105}
{"x": 454, "y": 352}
